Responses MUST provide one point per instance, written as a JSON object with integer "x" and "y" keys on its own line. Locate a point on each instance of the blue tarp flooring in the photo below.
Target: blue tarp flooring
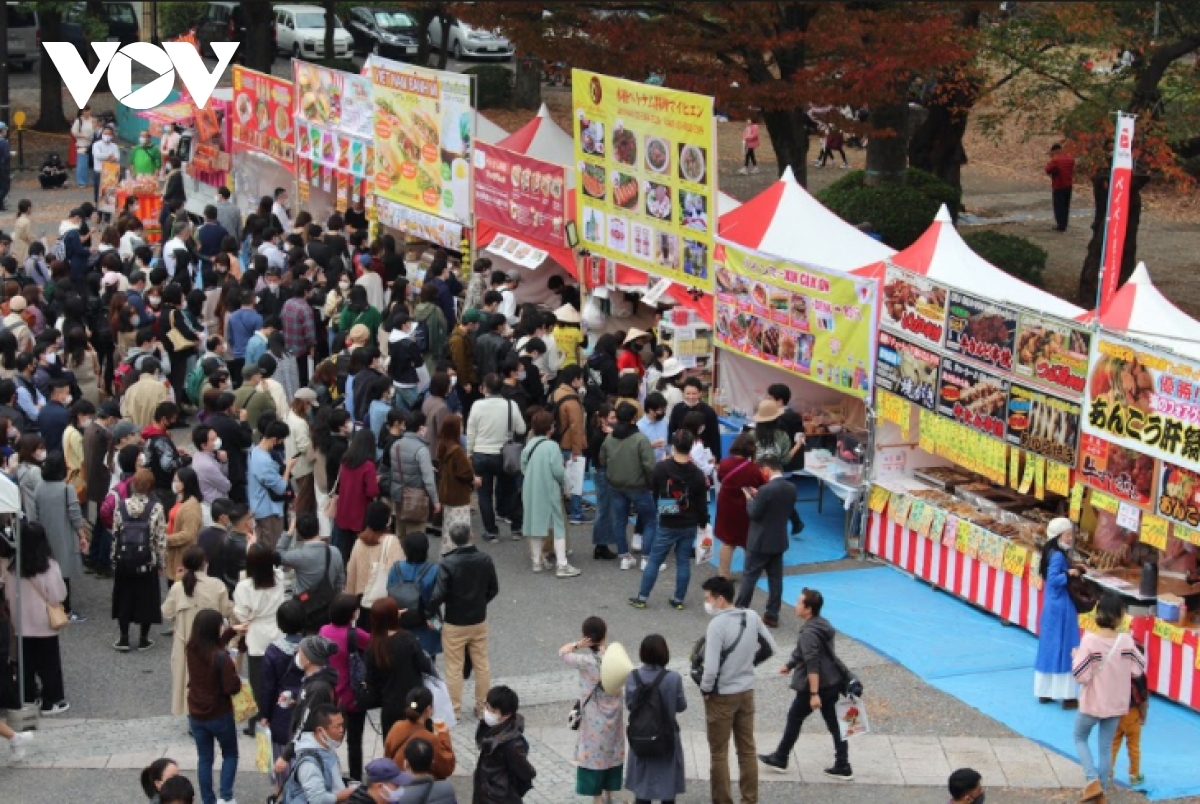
{"x": 970, "y": 655}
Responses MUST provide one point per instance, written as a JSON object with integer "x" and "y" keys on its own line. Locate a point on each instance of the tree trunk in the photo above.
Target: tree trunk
{"x": 1089, "y": 275}
{"x": 887, "y": 152}
{"x": 444, "y": 45}
{"x": 260, "y": 49}
{"x": 50, "y": 114}
{"x": 527, "y": 87}
{"x": 788, "y": 130}
{"x": 329, "y": 54}
{"x": 937, "y": 143}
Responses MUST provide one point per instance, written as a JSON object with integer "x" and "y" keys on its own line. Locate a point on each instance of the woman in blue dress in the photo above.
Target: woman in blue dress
{"x": 1059, "y": 627}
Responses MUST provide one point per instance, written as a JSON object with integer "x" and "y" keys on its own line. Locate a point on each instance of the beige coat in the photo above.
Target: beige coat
{"x": 142, "y": 398}
{"x": 188, "y": 521}
{"x": 181, "y": 610}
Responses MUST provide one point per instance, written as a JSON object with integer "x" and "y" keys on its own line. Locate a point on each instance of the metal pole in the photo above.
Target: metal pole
{"x": 16, "y": 576}
{"x": 4, "y": 65}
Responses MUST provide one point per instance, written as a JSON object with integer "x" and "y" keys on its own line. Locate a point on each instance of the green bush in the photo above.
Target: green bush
{"x": 933, "y": 187}
{"x": 177, "y": 18}
{"x": 493, "y": 86}
{"x": 899, "y": 214}
{"x": 1014, "y": 255}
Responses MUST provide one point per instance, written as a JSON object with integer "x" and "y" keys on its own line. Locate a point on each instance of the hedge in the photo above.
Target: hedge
{"x": 1015, "y": 255}
{"x": 900, "y": 214}
{"x": 493, "y": 86}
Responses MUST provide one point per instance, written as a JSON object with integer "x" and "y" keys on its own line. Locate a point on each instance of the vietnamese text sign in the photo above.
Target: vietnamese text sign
{"x": 419, "y": 224}
{"x": 1043, "y": 424}
{"x": 806, "y": 320}
{"x": 907, "y": 370}
{"x": 646, "y": 191}
{"x": 424, "y": 131}
{"x": 262, "y": 116}
{"x": 520, "y": 193}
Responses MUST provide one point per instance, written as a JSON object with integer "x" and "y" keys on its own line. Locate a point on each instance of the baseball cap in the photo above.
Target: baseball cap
{"x": 307, "y": 395}
{"x": 110, "y": 410}
{"x": 383, "y": 771}
{"x": 473, "y": 316}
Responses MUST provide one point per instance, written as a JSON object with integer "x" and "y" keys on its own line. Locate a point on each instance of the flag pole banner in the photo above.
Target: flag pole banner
{"x": 1117, "y": 220}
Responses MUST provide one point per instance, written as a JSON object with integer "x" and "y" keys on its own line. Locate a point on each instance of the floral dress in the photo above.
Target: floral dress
{"x": 601, "y": 743}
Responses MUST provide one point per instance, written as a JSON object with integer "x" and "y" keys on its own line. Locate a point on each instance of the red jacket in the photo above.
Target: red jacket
{"x": 735, "y": 474}
{"x": 356, "y": 489}
{"x": 1061, "y": 170}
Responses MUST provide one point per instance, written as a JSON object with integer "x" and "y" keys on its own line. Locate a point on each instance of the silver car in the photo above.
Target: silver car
{"x": 466, "y": 40}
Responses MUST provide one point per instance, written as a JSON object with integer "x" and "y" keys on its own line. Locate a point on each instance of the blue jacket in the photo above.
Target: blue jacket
{"x": 52, "y": 423}
{"x": 264, "y": 474}
{"x": 241, "y": 326}
{"x": 77, "y": 255}
{"x": 401, "y": 571}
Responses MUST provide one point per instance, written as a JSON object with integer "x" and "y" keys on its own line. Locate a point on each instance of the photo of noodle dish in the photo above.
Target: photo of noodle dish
{"x": 692, "y": 163}
{"x": 658, "y": 200}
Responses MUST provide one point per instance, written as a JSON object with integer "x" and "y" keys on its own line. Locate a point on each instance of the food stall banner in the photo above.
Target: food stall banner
{"x": 520, "y": 193}
{"x": 1054, "y": 352}
{"x": 914, "y": 305}
{"x": 646, "y": 183}
{"x": 518, "y": 252}
{"x": 1116, "y": 470}
{"x": 262, "y": 107}
{"x": 1144, "y": 398}
{"x": 424, "y": 131}
{"x": 981, "y": 330}
{"x": 419, "y": 224}
{"x": 333, "y": 99}
{"x": 973, "y": 397}
{"x": 908, "y": 370}
{"x": 810, "y": 321}
{"x": 1043, "y": 424}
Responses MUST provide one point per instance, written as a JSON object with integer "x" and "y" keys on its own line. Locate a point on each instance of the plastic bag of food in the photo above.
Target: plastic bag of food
{"x": 704, "y": 546}
{"x": 852, "y": 717}
{"x": 263, "y": 760}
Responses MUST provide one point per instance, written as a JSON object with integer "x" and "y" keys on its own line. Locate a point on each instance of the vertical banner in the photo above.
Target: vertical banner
{"x": 1118, "y": 208}
{"x": 262, "y": 106}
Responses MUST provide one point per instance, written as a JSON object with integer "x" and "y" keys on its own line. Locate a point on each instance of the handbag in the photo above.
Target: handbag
{"x": 443, "y": 709}
{"x": 377, "y": 585}
{"x": 414, "y": 503}
{"x": 54, "y": 611}
{"x": 176, "y": 338}
{"x": 510, "y": 453}
{"x": 358, "y": 670}
{"x": 575, "y": 716}
{"x": 331, "y": 501}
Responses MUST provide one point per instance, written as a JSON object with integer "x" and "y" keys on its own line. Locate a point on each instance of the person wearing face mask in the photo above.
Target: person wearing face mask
{"x": 273, "y": 295}
{"x": 317, "y": 688}
{"x": 45, "y": 354}
{"x": 104, "y": 150}
{"x": 1058, "y": 632}
{"x": 144, "y": 158}
{"x": 503, "y": 773}
{"x": 816, "y": 679}
{"x": 316, "y": 776}
{"x": 210, "y": 464}
{"x": 335, "y": 300}
{"x": 966, "y": 787}
{"x": 81, "y": 414}
{"x": 54, "y": 416}
{"x": 98, "y": 454}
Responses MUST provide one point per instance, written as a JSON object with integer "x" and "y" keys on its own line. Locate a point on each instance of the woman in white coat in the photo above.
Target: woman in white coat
{"x": 256, "y": 599}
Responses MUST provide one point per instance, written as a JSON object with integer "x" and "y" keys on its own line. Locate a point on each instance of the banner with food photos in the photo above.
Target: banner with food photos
{"x": 981, "y": 330}
{"x": 646, "y": 176}
{"x": 262, "y": 122}
{"x": 814, "y": 322}
{"x": 521, "y": 193}
{"x": 424, "y": 131}
{"x": 907, "y": 369}
{"x": 334, "y": 129}
{"x": 1043, "y": 423}
{"x": 914, "y": 306}
{"x": 973, "y": 397}
{"x": 1053, "y": 351}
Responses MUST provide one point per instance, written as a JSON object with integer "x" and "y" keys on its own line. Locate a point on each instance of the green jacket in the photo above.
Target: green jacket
{"x": 145, "y": 160}
{"x": 256, "y": 401}
{"x": 542, "y": 489}
{"x": 628, "y": 459}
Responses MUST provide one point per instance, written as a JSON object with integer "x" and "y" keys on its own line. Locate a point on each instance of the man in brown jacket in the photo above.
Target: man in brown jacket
{"x": 145, "y": 395}
{"x": 97, "y": 471}
{"x": 462, "y": 353}
{"x": 571, "y": 431}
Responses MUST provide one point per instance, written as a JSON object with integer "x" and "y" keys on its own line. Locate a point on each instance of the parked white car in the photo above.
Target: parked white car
{"x": 300, "y": 32}
{"x": 466, "y": 40}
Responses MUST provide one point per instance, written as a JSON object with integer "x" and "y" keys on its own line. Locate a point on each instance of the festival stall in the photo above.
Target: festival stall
{"x": 264, "y": 136}
{"x": 335, "y": 148}
{"x": 425, "y": 130}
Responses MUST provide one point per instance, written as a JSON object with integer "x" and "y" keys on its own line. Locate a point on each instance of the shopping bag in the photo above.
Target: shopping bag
{"x": 704, "y": 546}
{"x": 244, "y": 706}
{"x": 573, "y": 485}
{"x": 263, "y": 759}
{"x": 443, "y": 709}
{"x": 852, "y": 717}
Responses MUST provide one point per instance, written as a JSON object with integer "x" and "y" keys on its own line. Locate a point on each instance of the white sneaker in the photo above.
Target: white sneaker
{"x": 539, "y": 565}
{"x": 635, "y": 544}
{"x": 566, "y": 571}
{"x": 18, "y": 742}
{"x": 754, "y": 169}
{"x": 627, "y": 562}
{"x": 741, "y": 171}
{"x": 642, "y": 565}
{"x": 223, "y": 801}
{"x": 845, "y": 165}
{"x": 817, "y": 163}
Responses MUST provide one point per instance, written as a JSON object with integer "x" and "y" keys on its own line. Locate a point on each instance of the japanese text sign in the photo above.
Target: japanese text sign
{"x": 914, "y": 305}
{"x": 981, "y": 330}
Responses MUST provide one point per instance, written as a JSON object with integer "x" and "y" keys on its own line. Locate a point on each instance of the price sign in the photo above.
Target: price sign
{"x": 975, "y": 541}
{"x": 962, "y": 539}
{"x": 950, "y": 532}
{"x": 927, "y": 437}
{"x": 1102, "y": 502}
{"x": 1014, "y": 470}
{"x": 1154, "y": 533}
{"x": 937, "y": 527}
{"x": 920, "y": 519}
{"x": 1128, "y": 516}
{"x": 899, "y": 507}
{"x": 1027, "y": 475}
{"x": 1187, "y": 534}
{"x": 878, "y": 499}
{"x": 1015, "y": 558}
{"x": 1168, "y": 631}
{"x": 1039, "y": 477}
{"x": 1058, "y": 478}
{"x": 1076, "y": 502}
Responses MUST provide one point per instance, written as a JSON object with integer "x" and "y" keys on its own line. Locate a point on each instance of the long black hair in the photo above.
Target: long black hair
{"x": 356, "y": 301}
{"x": 152, "y": 775}
{"x": 1048, "y": 549}
{"x": 361, "y": 449}
{"x": 327, "y": 423}
{"x": 191, "y": 484}
{"x": 35, "y": 550}
{"x": 193, "y": 562}
{"x": 206, "y": 638}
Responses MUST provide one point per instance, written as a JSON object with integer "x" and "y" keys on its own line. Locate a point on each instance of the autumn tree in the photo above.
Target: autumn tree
{"x": 1063, "y": 57}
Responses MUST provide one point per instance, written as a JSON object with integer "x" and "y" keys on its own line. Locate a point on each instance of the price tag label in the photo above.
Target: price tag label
{"x": 1027, "y": 475}
{"x": 950, "y": 532}
{"x": 1014, "y": 469}
{"x": 1058, "y": 478}
{"x": 1015, "y": 559}
{"x": 1187, "y": 534}
{"x": 899, "y": 507}
{"x": 1128, "y": 516}
{"x": 915, "y": 515}
{"x": 1168, "y": 631}
{"x": 962, "y": 539}
{"x": 975, "y": 542}
{"x": 1039, "y": 477}
{"x": 937, "y": 527}
{"x": 927, "y": 436}
{"x": 1076, "y": 502}
{"x": 1103, "y": 502}
{"x": 1154, "y": 533}
{"x": 878, "y": 499}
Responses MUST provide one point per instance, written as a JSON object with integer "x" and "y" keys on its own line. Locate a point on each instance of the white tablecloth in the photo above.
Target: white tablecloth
{"x": 827, "y": 474}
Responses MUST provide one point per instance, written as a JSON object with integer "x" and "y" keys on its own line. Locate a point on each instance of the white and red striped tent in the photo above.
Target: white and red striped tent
{"x": 942, "y": 255}
{"x": 541, "y": 138}
{"x": 1140, "y": 310}
{"x": 785, "y": 221}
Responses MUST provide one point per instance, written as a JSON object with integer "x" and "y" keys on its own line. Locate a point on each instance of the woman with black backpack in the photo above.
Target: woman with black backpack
{"x": 654, "y": 697}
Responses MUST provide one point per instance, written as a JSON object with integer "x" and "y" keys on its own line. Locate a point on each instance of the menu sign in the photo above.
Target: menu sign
{"x": 1043, "y": 424}
{"x": 806, "y": 320}
{"x": 1117, "y": 470}
{"x": 973, "y": 397}
{"x": 1179, "y": 495}
{"x": 1144, "y": 399}
{"x": 262, "y": 121}
{"x": 424, "y": 131}
{"x": 1052, "y": 351}
{"x": 914, "y": 305}
{"x": 981, "y": 330}
{"x": 646, "y": 190}
{"x": 521, "y": 193}
{"x": 908, "y": 370}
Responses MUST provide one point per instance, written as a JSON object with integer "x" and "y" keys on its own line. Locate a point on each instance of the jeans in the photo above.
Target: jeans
{"x": 575, "y": 500}
{"x": 684, "y": 542}
{"x": 1062, "y": 207}
{"x": 83, "y": 169}
{"x": 96, "y": 186}
{"x": 100, "y": 550}
{"x": 796, "y": 715}
{"x": 1083, "y": 730}
{"x": 356, "y": 723}
{"x": 756, "y": 563}
{"x": 642, "y": 502}
{"x": 497, "y": 484}
{"x": 726, "y": 715}
{"x": 604, "y": 529}
{"x": 224, "y": 732}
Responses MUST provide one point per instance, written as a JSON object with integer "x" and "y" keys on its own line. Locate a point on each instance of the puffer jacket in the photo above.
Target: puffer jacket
{"x": 503, "y": 774}
{"x": 490, "y": 351}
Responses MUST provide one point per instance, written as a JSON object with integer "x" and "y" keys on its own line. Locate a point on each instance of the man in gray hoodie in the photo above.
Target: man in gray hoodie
{"x": 731, "y": 644}
{"x": 316, "y": 775}
{"x": 817, "y": 679}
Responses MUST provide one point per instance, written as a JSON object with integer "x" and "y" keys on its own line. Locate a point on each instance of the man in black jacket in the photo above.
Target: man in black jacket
{"x": 817, "y": 678}
{"x": 236, "y": 439}
{"x": 491, "y": 347}
{"x": 789, "y": 421}
{"x": 693, "y": 391}
{"x": 770, "y": 508}
{"x": 466, "y": 583}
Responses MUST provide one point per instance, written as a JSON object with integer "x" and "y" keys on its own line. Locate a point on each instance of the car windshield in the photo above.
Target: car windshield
{"x": 394, "y": 19}
{"x": 120, "y": 12}
{"x": 315, "y": 21}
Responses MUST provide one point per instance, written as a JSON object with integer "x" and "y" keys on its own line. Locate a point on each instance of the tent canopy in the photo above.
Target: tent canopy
{"x": 487, "y": 131}
{"x": 942, "y": 255}
{"x": 1141, "y": 310}
{"x": 785, "y": 221}
{"x": 541, "y": 138}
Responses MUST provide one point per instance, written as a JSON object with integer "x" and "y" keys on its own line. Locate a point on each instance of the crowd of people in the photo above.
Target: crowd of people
{"x": 315, "y": 528}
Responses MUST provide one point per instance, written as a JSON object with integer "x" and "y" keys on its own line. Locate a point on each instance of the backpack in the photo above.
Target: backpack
{"x": 125, "y": 375}
{"x": 292, "y": 792}
{"x": 407, "y": 594}
{"x": 650, "y": 731}
{"x": 553, "y": 407}
{"x": 133, "y": 554}
{"x": 316, "y": 601}
{"x": 59, "y": 252}
{"x": 420, "y": 336}
{"x": 194, "y": 385}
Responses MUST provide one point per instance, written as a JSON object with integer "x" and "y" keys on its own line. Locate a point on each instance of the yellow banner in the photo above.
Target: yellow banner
{"x": 937, "y": 528}
{"x": 1102, "y": 502}
{"x": 899, "y": 507}
{"x": 1015, "y": 558}
{"x": 424, "y": 127}
{"x": 1187, "y": 534}
{"x": 646, "y": 171}
{"x": 1154, "y": 531}
{"x": 878, "y": 499}
{"x": 1058, "y": 478}
{"x": 1076, "y": 502}
{"x": 809, "y": 321}
{"x": 1168, "y": 631}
